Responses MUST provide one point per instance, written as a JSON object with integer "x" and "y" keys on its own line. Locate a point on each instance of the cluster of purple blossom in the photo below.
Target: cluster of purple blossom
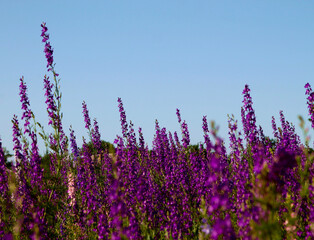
{"x": 262, "y": 189}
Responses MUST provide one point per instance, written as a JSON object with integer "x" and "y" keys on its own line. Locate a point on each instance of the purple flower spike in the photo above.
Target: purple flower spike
{"x": 310, "y": 101}
{"x": 86, "y": 116}
{"x": 3, "y": 174}
{"x": 96, "y": 136}
{"x": 206, "y": 131}
{"x": 48, "y": 49}
{"x": 178, "y": 115}
{"x": 248, "y": 116}
{"x": 123, "y": 121}
{"x": 43, "y": 32}
{"x": 186, "y": 135}
{"x": 74, "y": 145}
{"x": 4, "y": 193}
{"x": 27, "y": 113}
{"x": 17, "y": 148}
{"x": 275, "y": 131}
{"x": 51, "y": 106}
{"x": 205, "y": 125}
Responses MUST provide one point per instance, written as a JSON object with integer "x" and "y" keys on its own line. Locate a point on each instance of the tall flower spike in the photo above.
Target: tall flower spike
{"x": 178, "y": 115}
{"x": 96, "y": 136}
{"x": 4, "y": 195}
{"x": 232, "y": 124}
{"x": 248, "y": 116}
{"x": 27, "y": 113}
{"x": 123, "y": 121}
{"x": 186, "y": 135}
{"x": 51, "y": 105}
{"x": 86, "y": 116}
{"x": 3, "y": 175}
{"x": 17, "y": 148}
{"x": 43, "y": 32}
{"x": 275, "y": 131}
{"x": 206, "y": 131}
{"x": 184, "y": 130}
{"x": 75, "y": 150}
{"x": 141, "y": 139}
{"x": 48, "y": 49}
{"x": 310, "y": 101}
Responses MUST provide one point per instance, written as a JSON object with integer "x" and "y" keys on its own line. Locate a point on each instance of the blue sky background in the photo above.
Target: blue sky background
{"x": 158, "y": 56}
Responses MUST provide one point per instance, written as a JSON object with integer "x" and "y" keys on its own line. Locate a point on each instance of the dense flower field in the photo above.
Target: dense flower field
{"x": 262, "y": 189}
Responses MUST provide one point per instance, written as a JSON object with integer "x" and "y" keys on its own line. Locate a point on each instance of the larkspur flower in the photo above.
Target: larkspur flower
{"x": 96, "y": 136}
{"x": 123, "y": 121}
{"x": 248, "y": 116}
{"x": 74, "y": 146}
{"x": 27, "y": 113}
{"x": 310, "y": 101}
{"x": 171, "y": 190}
{"x": 17, "y": 148}
{"x": 48, "y": 49}
{"x": 3, "y": 180}
{"x": 86, "y": 116}
{"x": 51, "y": 105}
{"x": 275, "y": 131}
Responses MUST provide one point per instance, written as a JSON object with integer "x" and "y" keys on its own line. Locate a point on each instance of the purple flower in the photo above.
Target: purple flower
{"x": 74, "y": 146}
{"x": 176, "y": 138}
{"x": 205, "y": 125}
{"x": 43, "y": 32}
{"x": 310, "y": 101}
{"x": 102, "y": 226}
{"x": 184, "y": 130}
{"x": 275, "y": 131}
{"x": 141, "y": 139}
{"x": 17, "y": 148}
{"x": 186, "y": 135}
{"x": 96, "y": 136}
{"x": 178, "y": 115}
{"x": 248, "y": 117}
{"x": 123, "y": 121}
{"x": 27, "y": 113}
{"x": 48, "y": 49}
{"x": 279, "y": 170}
{"x": 3, "y": 176}
{"x": 51, "y": 105}
{"x": 86, "y": 116}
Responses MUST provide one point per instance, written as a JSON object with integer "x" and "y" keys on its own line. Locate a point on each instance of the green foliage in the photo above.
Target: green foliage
{"x": 7, "y": 155}
{"x": 194, "y": 148}
{"x": 105, "y": 146}
{"x": 269, "y": 200}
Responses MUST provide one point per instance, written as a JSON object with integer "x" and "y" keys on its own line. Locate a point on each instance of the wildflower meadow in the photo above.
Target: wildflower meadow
{"x": 262, "y": 189}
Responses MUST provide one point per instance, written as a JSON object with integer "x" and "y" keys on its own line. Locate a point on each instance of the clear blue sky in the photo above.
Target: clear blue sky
{"x": 158, "y": 56}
